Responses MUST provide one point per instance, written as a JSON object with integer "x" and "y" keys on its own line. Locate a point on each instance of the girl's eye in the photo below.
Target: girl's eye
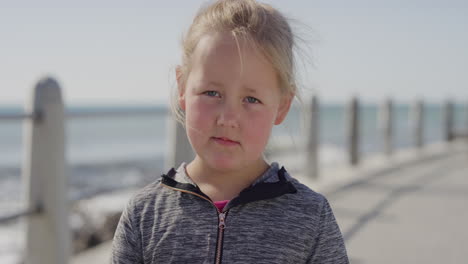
{"x": 211, "y": 93}
{"x": 252, "y": 100}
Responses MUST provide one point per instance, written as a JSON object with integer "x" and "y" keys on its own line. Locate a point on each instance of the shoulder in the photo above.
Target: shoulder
{"x": 312, "y": 203}
{"x": 145, "y": 197}
{"x": 303, "y": 199}
{"x": 329, "y": 244}
{"x": 148, "y": 192}
{"x": 306, "y": 194}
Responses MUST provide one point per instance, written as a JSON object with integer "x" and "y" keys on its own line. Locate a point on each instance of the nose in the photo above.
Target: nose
{"x": 229, "y": 115}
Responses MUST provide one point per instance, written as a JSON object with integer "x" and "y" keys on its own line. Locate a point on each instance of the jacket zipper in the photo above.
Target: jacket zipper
{"x": 221, "y": 223}
{"x": 219, "y": 243}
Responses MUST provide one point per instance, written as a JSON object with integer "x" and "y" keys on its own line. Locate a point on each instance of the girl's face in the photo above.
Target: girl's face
{"x": 231, "y": 100}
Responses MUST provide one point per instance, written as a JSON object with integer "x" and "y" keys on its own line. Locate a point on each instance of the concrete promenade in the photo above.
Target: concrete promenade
{"x": 416, "y": 213}
{"x": 411, "y": 208}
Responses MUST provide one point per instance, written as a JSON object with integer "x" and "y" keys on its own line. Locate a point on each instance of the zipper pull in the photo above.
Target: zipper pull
{"x": 222, "y": 223}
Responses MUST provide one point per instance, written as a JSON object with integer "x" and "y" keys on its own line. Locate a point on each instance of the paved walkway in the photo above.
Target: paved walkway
{"x": 413, "y": 214}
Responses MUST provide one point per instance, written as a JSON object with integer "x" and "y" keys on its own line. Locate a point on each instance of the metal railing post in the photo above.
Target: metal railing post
{"x": 417, "y": 123}
{"x": 465, "y": 122}
{"x": 353, "y": 131}
{"x": 180, "y": 149}
{"x": 312, "y": 137}
{"x": 448, "y": 121}
{"x": 386, "y": 126}
{"x": 48, "y": 236}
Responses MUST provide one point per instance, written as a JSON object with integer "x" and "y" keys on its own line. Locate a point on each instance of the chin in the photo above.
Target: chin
{"x": 223, "y": 164}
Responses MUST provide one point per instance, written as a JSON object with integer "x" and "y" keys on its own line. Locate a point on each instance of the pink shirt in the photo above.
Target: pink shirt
{"x": 221, "y": 204}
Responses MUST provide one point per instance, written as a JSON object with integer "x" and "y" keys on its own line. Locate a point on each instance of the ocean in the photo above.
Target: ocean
{"x": 130, "y": 150}
{"x": 115, "y": 152}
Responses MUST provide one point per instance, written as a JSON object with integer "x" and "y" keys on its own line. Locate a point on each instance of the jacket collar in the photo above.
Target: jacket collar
{"x": 273, "y": 183}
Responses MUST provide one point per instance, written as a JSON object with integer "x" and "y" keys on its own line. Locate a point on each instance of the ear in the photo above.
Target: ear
{"x": 283, "y": 109}
{"x": 180, "y": 87}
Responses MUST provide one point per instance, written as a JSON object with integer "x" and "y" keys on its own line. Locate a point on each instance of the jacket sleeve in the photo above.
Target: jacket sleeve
{"x": 126, "y": 245}
{"x": 329, "y": 246}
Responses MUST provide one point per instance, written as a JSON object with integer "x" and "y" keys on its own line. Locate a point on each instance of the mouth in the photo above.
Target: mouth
{"x": 225, "y": 141}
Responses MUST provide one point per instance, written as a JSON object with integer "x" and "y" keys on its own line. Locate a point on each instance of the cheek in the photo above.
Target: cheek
{"x": 197, "y": 115}
{"x": 259, "y": 129}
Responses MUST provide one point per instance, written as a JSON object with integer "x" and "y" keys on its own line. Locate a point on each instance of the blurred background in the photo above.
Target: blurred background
{"x": 119, "y": 52}
{"x": 121, "y": 55}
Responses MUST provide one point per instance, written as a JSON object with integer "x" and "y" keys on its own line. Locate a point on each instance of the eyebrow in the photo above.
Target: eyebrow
{"x": 250, "y": 90}
{"x": 218, "y": 84}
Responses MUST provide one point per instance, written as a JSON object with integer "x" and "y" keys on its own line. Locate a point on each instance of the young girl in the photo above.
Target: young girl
{"x": 228, "y": 204}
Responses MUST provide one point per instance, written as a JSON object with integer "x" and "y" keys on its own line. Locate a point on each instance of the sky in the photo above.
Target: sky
{"x": 125, "y": 52}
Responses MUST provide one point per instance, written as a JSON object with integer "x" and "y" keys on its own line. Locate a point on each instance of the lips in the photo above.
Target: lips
{"x": 225, "y": 141}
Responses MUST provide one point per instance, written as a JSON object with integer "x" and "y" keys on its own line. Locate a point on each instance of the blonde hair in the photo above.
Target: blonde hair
{"x": 258, "y": 23}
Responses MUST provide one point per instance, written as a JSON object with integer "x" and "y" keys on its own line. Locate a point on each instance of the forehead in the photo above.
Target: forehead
{"x": 222, "y": 58}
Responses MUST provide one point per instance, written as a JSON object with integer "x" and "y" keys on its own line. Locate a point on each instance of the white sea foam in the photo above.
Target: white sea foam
{"x": 11, "y": 242}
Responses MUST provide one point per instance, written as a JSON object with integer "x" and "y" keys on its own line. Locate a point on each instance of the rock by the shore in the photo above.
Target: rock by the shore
{"x": 94, "y": 220}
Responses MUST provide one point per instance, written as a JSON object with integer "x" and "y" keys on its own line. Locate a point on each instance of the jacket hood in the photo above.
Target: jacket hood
{"x": 272, "y": 183}
{"x": 270, "y": 175}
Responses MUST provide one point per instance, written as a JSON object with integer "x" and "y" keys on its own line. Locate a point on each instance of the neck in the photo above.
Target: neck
{"x": 224, "y": 184}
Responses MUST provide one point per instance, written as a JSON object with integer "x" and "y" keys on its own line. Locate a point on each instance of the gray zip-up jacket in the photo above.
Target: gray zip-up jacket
{"x": 275, "y": 220}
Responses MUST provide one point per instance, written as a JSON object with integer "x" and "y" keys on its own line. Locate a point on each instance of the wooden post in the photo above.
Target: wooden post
{"x": 448, "y": 121}
{"x": 386, "y": 126}
{"x": 465, "y": 131}
{"x": 48, "y": 235}
{"x": 180, "y": 149}
{"x": 417, "y": 123}
{"x": 466, "y": 125}
{"x": 353, "y": 131}
{"x": 466, "y": 118}
{"x": 312, "y": 137}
